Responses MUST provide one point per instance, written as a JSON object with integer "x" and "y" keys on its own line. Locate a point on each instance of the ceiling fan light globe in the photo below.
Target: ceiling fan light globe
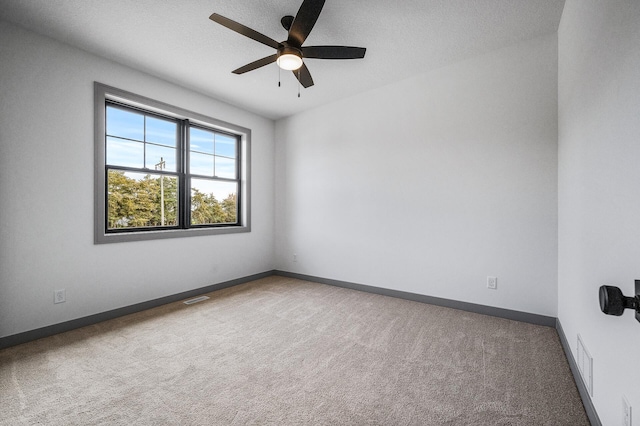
{"x": 289, "y": 61}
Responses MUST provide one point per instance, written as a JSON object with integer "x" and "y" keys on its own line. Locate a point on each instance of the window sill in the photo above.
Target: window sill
{"x": 121, "y": 237}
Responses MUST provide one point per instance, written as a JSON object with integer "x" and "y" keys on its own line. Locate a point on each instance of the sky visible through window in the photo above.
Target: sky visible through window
{"x": 138, "y": 140}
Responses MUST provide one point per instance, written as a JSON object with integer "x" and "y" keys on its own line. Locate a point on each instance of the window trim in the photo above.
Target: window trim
{"x": 102, "y": 93}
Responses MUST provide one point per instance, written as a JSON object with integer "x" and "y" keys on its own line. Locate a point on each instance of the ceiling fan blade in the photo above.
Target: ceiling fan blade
{"x": 304, "y": 76}
{"x": 256, "y": 64}
{"x": 244, "y": 30}
{"x": 333, "y": 52}
{"x": 304, "y": 21}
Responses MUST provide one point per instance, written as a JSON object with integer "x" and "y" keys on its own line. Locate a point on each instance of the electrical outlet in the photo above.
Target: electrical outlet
{"x": 295, "y": 257}
{"x": 492, "y": 283}
{"x": 626, "y": 412}
{"x": 59, "y": 296}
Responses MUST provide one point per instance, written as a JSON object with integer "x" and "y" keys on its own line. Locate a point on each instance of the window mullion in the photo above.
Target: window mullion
{"x": 185, "y": 198}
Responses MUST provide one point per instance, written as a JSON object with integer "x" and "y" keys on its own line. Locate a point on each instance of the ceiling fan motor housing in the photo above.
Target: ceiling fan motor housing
{"x": 289, "y": 50}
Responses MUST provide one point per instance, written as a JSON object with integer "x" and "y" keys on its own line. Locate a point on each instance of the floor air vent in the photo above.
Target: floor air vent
{"x": 196, "y": 300}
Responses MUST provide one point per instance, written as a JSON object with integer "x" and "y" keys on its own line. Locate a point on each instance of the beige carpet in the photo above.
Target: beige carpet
{"x": 287, "y": 352}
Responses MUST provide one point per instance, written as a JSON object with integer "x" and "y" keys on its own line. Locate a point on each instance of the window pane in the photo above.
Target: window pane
{"x": 156, "y": 154}
{"x": 162, "y": 132}
{"x": 213, "y": 202}
{"x": 141, "y": 200}
{"x": 201, "y": 140}
{"x": 225, "y": 168}
{"x": 126, "y": 153}
{"x": 125, "y": 124}
{"x": 201, "y": 164}
{"x": 226, "y": 145}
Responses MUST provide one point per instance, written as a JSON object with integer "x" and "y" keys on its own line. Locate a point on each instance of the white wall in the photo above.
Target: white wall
{"x": 431, "y": 184}
{"x": 46, "y": 193}
{"x": 599, "y": 189}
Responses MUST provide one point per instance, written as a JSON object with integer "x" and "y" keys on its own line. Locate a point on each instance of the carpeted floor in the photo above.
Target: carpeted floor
{"x": 287, "y": 352}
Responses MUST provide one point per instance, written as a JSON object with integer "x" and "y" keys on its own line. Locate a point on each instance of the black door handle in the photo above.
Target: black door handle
{"x": 613, "y": 302}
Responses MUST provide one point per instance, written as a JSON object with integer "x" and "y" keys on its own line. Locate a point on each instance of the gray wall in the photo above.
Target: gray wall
{"x": 599, "y": 190}
{"x": 46, "y": 193}
{"x": 431, "y": 184}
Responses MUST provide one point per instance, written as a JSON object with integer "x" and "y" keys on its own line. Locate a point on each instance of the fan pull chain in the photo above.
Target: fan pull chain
{"x": 298, "y": 82}
{"x": 278, "y": 76}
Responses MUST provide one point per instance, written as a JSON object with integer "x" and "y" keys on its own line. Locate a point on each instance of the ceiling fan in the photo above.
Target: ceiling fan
{"x": 290, "y": 53}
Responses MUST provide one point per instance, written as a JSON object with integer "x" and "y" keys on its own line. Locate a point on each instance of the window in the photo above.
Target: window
{"x": 164, "y": 172}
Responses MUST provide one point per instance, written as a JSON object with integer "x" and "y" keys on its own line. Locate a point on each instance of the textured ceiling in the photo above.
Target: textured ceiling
{"x": 175, "y": 40}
